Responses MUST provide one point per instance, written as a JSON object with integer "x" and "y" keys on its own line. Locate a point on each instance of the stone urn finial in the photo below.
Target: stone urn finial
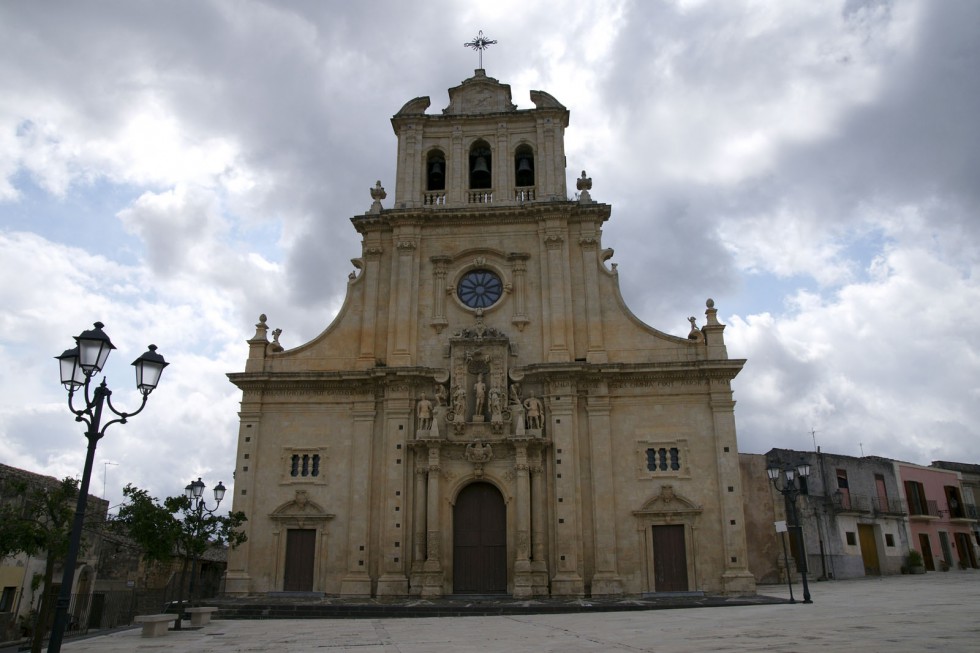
{"x": 377, "y": 194}
{"x": 584, "y": 185}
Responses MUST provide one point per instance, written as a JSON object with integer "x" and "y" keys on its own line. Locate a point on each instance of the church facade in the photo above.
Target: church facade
{"x": 485, "y": 415}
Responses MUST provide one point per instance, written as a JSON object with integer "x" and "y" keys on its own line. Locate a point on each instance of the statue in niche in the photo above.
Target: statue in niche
{"x": 424, "y": 414}
{"x": 496, "y": 407}
{"x": 459, "y": 404}
{"x": 517, "y": 409}
{"x": 441, "y": 396}
{"x": 479, "y": 396}
{"x": 534, "y": 417}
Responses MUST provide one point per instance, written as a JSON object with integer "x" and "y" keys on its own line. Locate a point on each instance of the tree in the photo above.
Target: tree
{"x": 176, "y": 528}
{"x": 37, "y": 518}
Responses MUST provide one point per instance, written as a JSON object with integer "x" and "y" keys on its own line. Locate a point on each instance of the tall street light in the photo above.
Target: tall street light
{"x": 195, "y": 493}
{"x": 79, "y": 366}
{"x": 791, "y": 489}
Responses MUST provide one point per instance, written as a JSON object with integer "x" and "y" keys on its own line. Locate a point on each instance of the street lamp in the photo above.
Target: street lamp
{"x": 79, "y": 366}
{"x": 791, "y": 489}
{"x": 195, "y": 494}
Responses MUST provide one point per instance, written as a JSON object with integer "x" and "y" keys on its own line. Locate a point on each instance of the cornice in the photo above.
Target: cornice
{"x": 481, "y": 215}
{"x": 345, "y": 383}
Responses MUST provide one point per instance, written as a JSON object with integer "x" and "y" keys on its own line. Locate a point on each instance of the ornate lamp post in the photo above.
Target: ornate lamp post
{"x": 195, "y": 493}
{"x": 791, "y": 490}
{"x": 79, "y": 366}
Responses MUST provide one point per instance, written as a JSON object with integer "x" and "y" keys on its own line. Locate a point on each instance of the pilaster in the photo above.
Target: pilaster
{"x": 567, "y": 580}
{"x": 357, "y": 581}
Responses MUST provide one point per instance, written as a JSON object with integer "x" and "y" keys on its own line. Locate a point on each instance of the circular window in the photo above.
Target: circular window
{"x": 480, "y": 288}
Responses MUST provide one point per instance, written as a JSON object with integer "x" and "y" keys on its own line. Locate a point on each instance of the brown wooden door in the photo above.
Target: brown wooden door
{"x": 964, "y": 548}
{"x": 300, "y": 549}
{"x": 926, "y": 551}
{"x": 480, "y": 541}
{"x": 869, "y": 550}
{"x": 669, "y": 559}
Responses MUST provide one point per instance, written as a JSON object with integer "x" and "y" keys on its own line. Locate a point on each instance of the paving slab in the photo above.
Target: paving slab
{"x": 933, "y": 612}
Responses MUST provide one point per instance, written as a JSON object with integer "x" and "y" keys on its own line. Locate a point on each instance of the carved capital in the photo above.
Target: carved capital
{"x": 553, "y": 241}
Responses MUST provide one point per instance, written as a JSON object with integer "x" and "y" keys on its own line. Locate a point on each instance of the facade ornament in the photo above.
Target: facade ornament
{"x": 377, "y": 194}
{"x": 695, "y": 333}
{"x": 274, "y": 346}
{"x": 478, "y": 452}
{"x": 261, "y": 328}
{"x": 479, "y": 398}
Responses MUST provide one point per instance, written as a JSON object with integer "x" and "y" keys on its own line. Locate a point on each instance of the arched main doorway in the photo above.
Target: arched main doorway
{"x": 480, "y": 541}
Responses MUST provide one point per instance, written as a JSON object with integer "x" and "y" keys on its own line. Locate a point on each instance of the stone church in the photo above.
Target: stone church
{"x": 485, "y": 415}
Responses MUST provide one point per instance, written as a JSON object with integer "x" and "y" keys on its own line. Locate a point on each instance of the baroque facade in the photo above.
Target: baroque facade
{"x": 485, "y": 415}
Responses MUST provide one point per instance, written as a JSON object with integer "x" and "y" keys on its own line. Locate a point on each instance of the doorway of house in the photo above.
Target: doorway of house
{"x": 869, "y": 550}
{"x": 926, "y": 550}
{"x": 480, "y": 541}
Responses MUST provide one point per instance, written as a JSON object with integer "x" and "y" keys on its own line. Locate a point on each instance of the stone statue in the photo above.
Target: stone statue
{"x": 441, "y": 397}
{"x": 459, "y": 403}
{"x": 533, "y": 407}
{"x": 495, "y": 404}
{"x": 424, "y": 413}
{"x": 274, "y": 346}
{"x": 479, "y": 395}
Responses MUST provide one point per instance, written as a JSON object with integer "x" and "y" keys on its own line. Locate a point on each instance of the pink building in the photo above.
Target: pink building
{"x": 939, "y": 521}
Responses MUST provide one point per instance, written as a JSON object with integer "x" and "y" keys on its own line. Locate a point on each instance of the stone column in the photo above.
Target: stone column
{"x": 518, "y": 262}
{"x": 357, "y": 581}
{"x": 522, "y": 563}
{"x": 439, "y": 265}
{"x": 589, "y": 243}
{"x": 567, "y": 580}
{"x": 433, "y": 583}
{"x": 419, "y": 521}
{"x": 605, "y": 580}
{"x": 369, "y": 314}
{"x": 736, "y": 578}
{"x": 391, "y": 479}
{"x": 555, "y": 282}
{"x": 539, "y": 555}
{"x": 404, "y": 285}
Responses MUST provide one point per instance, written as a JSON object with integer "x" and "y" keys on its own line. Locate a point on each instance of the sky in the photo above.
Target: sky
{"x": 175, "y": 169}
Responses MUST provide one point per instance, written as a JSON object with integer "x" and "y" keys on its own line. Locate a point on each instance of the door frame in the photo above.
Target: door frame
{"x": 669, "y": 509}
{"x": 300, "y": 513}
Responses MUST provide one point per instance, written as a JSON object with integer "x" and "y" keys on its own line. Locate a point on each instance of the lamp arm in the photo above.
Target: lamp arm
{"x": 122, "y": 416}
{"x": 83, "y": 415}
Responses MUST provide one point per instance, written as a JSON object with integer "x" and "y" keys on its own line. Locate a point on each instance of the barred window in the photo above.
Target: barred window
{"x": 304, "y": 465}
{"x": 662, "y": 459}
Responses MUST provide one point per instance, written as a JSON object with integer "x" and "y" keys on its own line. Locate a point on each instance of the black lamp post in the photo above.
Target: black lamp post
{"x": 791, "y": 490}
{"x": 79, "y": 366}
{"x": 195, "y": 493}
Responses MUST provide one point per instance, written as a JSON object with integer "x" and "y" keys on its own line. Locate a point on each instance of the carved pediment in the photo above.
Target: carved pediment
{"x": 300, "y": 511}
{"x": 414, "y": 107}
{"x": 668, "y": 502}
{"x": 479, "y": 94}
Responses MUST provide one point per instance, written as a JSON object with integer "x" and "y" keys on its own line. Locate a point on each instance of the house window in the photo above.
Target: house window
{"x": 851, "y": 538}
{"x": 916, "y": 495}
{"x": 843, "y": 489}
{"x": 954, "y": 502}
{"x": 7, "y": 599}
{"x": 882, "y": 493}
{"x": 889, "y": 539}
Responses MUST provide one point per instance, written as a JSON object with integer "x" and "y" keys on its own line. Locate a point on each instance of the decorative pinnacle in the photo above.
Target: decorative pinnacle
{"x": 480, "y": 43}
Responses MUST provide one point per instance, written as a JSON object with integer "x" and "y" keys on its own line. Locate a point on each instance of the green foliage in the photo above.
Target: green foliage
{"x": 37, "y": 517}
{"x": 175, "y": 527}
{"x": 914, "y": 559}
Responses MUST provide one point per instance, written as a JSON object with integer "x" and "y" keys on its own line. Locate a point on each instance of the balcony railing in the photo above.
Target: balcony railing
{"x": 483, "y": 196}
{"x": 524, "y": 193}
{"x": 886, "y": 506}
{"x": 434, "y": 198}
{"x": 928, "y": 511}
{"x": 850, "y": 502}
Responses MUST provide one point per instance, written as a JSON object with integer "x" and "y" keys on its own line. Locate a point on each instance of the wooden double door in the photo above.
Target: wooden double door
{"x": 669, "y": 559}
{"x": 480, "y": 541}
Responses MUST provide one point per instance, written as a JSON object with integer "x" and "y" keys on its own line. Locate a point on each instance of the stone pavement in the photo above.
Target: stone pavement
{"x": 934, "y": 612}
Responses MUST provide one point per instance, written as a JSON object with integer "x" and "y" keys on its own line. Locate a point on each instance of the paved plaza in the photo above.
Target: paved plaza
{"x": 934, "y": 612}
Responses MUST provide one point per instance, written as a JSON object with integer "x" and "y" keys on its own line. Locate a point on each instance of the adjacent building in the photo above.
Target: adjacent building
{"x": 942, "y": 525}
{"x": 485, "y": 415}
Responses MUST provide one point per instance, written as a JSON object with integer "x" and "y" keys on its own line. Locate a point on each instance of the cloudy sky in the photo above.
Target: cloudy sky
{"x": 175, "y": 169}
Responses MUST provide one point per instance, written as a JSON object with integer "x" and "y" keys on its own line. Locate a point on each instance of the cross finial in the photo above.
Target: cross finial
{"x": 480, "y": 43}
